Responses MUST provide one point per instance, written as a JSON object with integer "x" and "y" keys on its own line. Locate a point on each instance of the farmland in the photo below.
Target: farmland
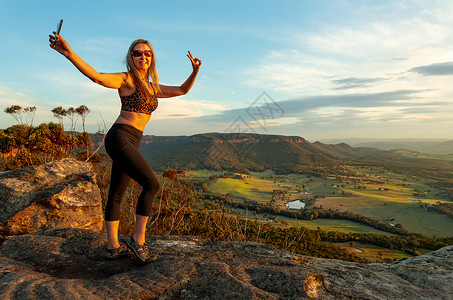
{"x": 373, "y": 192}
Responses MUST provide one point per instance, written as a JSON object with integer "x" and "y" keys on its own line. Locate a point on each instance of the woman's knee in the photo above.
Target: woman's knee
{"x": 155, "y": 186}
{"x": 151, "y": 185}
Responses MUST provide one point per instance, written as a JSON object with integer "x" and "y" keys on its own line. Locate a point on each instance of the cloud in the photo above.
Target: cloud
{"x": 335, "y": 104}
{"x": 365, "y": 53}
{"x": 291, "y": 71}
{"x": 433, "y": 110}
{"x": 400, "y": 113}
{"x": 353, "y": 82}
{"x": 182, "y": 107}
{"x": 357, "y": 100}
{"x": 337, "y": 115}
{"x": 10, "y": 97}
{"x": 437, "y": 69}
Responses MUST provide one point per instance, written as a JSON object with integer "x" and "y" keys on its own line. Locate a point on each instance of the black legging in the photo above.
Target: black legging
{"x": 122, "y": 143}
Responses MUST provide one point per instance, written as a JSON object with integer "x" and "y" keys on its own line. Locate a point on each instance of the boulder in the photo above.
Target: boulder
{"x": 59, "y": 194}
{"x": 70, "y": 264}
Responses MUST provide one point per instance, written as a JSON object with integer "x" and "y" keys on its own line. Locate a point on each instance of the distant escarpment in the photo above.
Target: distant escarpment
{"x": 240, "y": 152}
{"x": 245, "y": 152}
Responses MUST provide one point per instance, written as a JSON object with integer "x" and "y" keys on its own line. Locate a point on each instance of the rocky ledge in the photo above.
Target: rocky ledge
{"x": 59, "y": 194}
{"x": 70, "y": 264}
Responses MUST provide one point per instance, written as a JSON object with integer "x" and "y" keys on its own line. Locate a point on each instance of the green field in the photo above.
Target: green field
{"x": 202, "y": 174}
{"x": 395, "y": 204}
{"x": 251, "y": 188}
{"x": 406, "y": 212}
{"x": 374, "y": 253}
{"x": 259, "y": 188}
{"x": 392, "y": 199}
{"x": 324, "y": 224}
{"x": 416, "y": 154}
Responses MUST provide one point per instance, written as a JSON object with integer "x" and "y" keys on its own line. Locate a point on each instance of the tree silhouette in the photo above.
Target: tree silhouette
{"x": 16, "y": 112}
{"x": 70, "y": 114}
{"x": 59, "y": 112}
{"x": 31, "y": 110}
{"x": 83, "y": 111}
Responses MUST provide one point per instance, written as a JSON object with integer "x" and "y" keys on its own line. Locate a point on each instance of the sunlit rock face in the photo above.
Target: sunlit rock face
{"x": 59, "y": 194}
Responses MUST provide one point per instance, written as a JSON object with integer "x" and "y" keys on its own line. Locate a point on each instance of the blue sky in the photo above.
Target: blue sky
{"x": 316, "y": 69}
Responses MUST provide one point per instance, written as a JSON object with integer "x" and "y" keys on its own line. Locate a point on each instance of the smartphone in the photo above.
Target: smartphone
{"x": 58, "y": 29}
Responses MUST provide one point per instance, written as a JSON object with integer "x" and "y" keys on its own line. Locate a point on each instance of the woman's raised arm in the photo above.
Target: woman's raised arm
{"x": 173, "y": 91}
{"x": 110, "y": 80}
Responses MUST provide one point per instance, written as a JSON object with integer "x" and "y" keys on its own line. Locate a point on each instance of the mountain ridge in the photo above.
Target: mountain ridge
{"x": 428, "y": 146}
{"x": 257, "y": 152}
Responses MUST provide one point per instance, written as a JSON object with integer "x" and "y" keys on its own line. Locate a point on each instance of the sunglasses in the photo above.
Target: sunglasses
{"x": 138, "y": 53}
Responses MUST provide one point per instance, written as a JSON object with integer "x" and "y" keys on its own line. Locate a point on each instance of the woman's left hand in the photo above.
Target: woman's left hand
{"x": 196, "y": 63}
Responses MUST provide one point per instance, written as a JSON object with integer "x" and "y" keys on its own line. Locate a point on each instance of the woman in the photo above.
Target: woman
{"x": 138, "y": 99}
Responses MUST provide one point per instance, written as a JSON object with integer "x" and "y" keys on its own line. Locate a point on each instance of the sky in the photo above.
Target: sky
{"x": 317, "y": 69}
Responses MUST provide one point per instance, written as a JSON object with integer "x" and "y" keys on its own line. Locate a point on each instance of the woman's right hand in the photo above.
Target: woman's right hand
{"x": 110, "y": 80}
{"x": 58, "y": 43}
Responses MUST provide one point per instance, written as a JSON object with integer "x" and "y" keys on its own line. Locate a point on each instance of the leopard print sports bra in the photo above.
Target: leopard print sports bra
{"x": 138, "y": 101}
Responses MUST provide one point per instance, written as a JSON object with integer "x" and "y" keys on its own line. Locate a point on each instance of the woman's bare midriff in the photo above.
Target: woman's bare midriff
{"x": 136, "y": 120}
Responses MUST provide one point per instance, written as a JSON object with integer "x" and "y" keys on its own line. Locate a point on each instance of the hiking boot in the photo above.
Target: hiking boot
{"x": 141, "y": 251}
{"x": 121, "y": 251}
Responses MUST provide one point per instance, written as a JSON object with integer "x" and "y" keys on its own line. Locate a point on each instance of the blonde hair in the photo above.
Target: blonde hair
{"x": 151, "y": 72}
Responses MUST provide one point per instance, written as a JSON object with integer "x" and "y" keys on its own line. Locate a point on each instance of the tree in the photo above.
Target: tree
{"x": 59, "y": 112}
{"x": 41, "y": 143}
{"x": 31, "y": 110}
{"x": 6, "y": 143}
{"x": 20, "y": 134}
{"x": 16, "y": 112}
{"x": 83, "y": 111}
{"x": 83, "y": 139}
{"x": 70, "y": 114}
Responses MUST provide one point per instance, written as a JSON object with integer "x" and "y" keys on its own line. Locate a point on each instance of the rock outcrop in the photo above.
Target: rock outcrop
{"x": 69, "y": 264}
{"x": 59, "y": 194}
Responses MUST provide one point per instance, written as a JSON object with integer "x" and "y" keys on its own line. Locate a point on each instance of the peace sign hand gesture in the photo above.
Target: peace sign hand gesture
{"x": 196, "y": 63}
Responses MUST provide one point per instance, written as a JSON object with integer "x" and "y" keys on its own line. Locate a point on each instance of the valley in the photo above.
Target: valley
{"x": 373, "y": 192}
{"x": 376, "y": 193}
{"x": 381, "y": 198}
